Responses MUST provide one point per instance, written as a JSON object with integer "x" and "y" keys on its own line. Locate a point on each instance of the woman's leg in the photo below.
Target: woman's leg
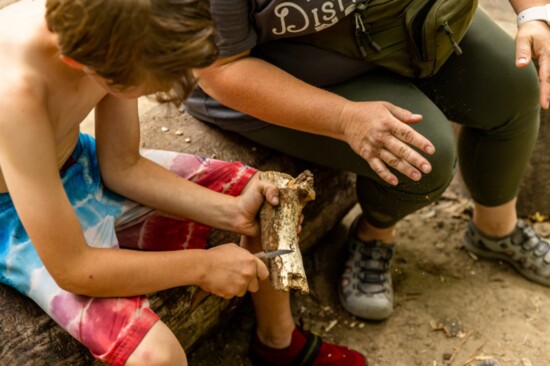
{"x": 498, "y": 107}
{"x": 383, "y": 205}
{"x": 366, "y": 290}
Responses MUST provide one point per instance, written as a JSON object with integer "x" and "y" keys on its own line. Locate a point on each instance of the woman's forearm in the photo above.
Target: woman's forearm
{"x": 266, "y": 92}
{"x": 520, "y": 5}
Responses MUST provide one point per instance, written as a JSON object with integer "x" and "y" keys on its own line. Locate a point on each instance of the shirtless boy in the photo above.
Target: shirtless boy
{"x": 71, "y": 206}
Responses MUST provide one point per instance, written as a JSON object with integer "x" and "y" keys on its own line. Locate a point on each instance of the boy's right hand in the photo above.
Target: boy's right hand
{"x": 232, "y": 271}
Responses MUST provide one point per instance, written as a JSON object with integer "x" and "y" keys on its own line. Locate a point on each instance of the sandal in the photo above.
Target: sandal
{"x": 365, "y": 289}
{"x": 313, "y": 352}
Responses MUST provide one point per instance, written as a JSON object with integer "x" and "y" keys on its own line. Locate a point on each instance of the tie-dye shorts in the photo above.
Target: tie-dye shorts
{"x": 111, "y": 328}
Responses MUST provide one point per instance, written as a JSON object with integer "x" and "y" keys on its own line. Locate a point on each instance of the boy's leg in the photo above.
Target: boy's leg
{"x": 159, "y": 347}
{"x": 142, "y": 228}
{"x": 278, "y": 341}
{"x": 276, "y": 327}
{"x": 111, "y": 328}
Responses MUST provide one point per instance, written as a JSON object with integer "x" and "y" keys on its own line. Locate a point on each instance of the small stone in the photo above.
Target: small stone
{"x": 526, "y": 362}
{"x": 331, "y": 325}
{"x": 179, "y": 132}
{"x": 187, "y": 139}
{"x": 164, "y": 129}
{"x": 488, "y": 362}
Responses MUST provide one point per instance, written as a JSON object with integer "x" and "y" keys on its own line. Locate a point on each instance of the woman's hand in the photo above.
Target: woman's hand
{"x": 379, "y": 132}
{"x": 533, "y": 42}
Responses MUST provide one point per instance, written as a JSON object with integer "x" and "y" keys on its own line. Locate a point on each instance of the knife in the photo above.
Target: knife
{"x": 273, "y": 253}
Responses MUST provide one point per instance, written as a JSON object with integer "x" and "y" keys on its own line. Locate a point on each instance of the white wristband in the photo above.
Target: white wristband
{"x": 535, "y": 13}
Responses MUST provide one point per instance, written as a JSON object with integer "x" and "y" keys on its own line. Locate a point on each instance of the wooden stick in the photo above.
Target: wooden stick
{"x": 279, "y": 226}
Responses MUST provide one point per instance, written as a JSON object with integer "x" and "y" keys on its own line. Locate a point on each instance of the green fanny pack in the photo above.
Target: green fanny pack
{"x": 413, "y": 38}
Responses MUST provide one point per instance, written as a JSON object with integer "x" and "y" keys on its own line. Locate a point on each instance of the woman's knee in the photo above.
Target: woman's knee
{"x": 444, "y": 163}
{"x": 159, "y": 347}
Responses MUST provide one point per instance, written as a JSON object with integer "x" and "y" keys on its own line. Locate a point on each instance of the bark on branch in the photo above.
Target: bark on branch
{"x": 279, "y": 226}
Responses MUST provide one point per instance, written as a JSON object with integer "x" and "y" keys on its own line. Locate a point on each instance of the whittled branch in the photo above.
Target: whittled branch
{"x": 280, "y": 229}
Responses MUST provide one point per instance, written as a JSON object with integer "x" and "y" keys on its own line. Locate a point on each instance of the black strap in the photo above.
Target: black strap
{"x": 309, "y": 353}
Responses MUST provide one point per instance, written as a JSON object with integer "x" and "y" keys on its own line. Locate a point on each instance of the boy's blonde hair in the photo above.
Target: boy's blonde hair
{"x": 132, "y": 42}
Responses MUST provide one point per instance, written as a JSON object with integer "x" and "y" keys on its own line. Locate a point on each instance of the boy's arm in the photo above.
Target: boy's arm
{"x": 126, "y": 172}
{"x": 29, "y": 167}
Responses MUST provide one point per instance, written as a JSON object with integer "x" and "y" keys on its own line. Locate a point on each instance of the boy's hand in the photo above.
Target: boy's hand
{"x": 249, "y": 203}
{"x": 233, "y": 271}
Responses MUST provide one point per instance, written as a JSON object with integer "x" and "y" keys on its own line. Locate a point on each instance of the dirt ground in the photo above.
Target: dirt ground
{"x": 450, "y": 308}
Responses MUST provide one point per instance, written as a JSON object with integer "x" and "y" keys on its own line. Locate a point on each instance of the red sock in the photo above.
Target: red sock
{"x": 327, "y": 354}
{"x": 279, "y": 356}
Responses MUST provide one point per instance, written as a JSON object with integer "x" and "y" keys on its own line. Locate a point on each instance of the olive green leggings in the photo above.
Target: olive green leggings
{"x": 482, "y": 90}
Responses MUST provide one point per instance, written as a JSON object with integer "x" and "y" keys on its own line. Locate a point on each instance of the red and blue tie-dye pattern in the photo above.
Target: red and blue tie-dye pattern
{"x": 163, "y": 232}
{"x": 111, "y": 328}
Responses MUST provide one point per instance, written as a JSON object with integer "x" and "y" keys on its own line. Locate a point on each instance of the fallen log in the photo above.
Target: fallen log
{"x": 29, "y": 337}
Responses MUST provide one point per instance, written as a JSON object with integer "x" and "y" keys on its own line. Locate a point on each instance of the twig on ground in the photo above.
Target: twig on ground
{"x": 457, "y": 349}
{"x": 474, "y": 355}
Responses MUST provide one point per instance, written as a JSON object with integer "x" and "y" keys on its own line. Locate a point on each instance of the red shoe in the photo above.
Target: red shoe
{"x": 306, "y": 349}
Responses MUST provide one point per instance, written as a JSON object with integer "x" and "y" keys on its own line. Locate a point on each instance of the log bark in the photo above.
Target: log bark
{"x": 29, "y": 337}
{"x": 279, "y": 229}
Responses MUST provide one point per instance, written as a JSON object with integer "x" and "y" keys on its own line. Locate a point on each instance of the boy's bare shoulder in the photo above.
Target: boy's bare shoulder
{"x": 20, "y": 81}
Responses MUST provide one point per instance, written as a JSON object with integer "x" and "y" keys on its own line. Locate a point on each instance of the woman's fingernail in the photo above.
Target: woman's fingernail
{"x": 522, "y": 60}
{"x": 426, "y": 168}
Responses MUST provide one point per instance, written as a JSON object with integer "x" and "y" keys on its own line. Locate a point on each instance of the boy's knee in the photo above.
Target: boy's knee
{"x": 159, "y": 347}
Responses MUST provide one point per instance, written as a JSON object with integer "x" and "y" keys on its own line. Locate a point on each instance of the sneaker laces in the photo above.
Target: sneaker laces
{"x": 373, "y": 266}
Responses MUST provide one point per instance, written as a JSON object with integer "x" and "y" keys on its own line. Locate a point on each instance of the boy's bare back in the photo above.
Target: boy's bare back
{"x": 38, "y": 87}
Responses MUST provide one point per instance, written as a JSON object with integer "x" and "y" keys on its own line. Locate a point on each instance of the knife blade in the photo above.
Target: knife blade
{"x": 273, "y": 253}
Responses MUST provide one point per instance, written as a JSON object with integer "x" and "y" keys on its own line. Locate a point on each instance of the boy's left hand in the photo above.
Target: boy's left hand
{"x": 249, "y": 203}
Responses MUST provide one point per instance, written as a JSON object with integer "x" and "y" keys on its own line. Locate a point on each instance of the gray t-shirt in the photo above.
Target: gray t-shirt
{"x": 245, "y": 23}
{"x": 286, "y": 34}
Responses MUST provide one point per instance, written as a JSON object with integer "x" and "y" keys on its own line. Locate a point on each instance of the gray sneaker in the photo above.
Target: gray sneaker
{"x": 365, "y": 288}
{"x": 523, "y": 249}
